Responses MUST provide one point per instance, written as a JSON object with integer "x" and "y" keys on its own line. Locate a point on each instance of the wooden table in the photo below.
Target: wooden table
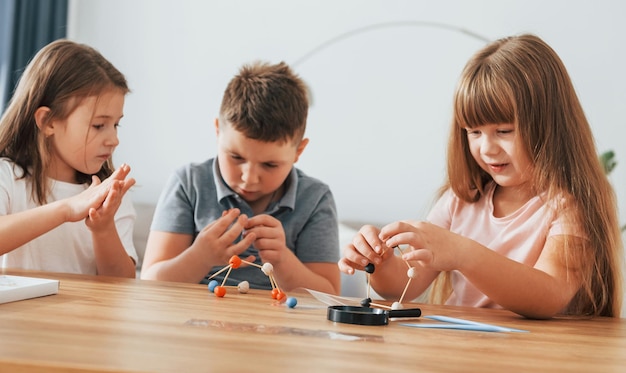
{"x": 111, "y": 324}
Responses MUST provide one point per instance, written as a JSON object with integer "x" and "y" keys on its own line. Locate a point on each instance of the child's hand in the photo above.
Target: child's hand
{"x": 102, "y": 218}
{"x": 270, "y": 237}
{"x": 432, "y": 246}
{"x": 80, "y": 206}
{"x": 216, "y": 239}
{"x": 366, "y": 247}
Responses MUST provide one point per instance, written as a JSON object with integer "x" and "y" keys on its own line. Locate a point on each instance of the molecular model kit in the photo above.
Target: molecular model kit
{"x": 235, "y": 262}
{"x": 243, "y": 287}
{"x": 411, "y": 273}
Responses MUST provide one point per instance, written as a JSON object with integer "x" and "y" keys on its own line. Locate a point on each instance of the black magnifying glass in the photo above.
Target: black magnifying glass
{"x": 367, "y": 315}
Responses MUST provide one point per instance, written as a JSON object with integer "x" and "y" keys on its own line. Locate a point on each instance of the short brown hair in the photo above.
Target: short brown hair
{"x": 266, "y": 102}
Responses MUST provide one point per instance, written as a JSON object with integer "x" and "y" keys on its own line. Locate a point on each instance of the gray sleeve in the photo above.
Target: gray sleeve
{"x": 174, "y": 211}
{"x": 318, "y": 242}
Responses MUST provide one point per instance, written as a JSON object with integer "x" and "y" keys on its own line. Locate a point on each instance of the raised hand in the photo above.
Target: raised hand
{"x": 103, "y": 217}
{"x": 79, "y": 206}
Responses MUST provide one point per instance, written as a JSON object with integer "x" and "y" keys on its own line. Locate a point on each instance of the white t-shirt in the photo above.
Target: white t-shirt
{"x": 67, "y": 248}
{"x": 520, "y": 236}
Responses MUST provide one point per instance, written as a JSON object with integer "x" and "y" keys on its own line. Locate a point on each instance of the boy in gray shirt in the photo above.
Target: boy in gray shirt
{"x": 250, "y": 200}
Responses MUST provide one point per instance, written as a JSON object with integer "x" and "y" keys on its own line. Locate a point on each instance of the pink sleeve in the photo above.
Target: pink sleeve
{"x": 441, "y": 213}
{"x": 564, "y": 223}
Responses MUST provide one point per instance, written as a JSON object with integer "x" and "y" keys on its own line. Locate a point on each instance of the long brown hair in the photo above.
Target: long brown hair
{"x": 522, "y": 80}
{"x": 60, "y": 76}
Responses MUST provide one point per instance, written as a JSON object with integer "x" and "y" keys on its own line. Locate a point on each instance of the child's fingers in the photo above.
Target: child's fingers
{"x": 121, "y": 172}
{"x": 250, "y": 258}
{"x": 128, "y": 183}
{"x": 119, "y": 176}
{"x": 93, "y": 214}
{"x": 95, "y": 180}
{"x": 369, "y": 247}
{"x": 242, "y": 245}
{"x": 425, "y": 257}
{"x": 394, "y": 229}
{"x": 353, "y": 255}
{"x": 347, "y": 266}
{"x": 113, "y": 197}
{"x": 262, "y": 231}
{"x": 404, "y": 238}
{"x": 236, "y": 229}
{"x": 221, "y": 225}
{"x": 368, "y": 239}
{"x": 262, "y": 220}
{"x": 96, "y": 193}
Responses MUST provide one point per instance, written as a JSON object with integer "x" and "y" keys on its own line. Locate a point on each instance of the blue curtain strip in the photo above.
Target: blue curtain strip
{"x": 26, "y": 26}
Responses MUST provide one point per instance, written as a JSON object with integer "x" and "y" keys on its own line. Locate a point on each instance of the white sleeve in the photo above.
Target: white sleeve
{"x": 125, "y": 223}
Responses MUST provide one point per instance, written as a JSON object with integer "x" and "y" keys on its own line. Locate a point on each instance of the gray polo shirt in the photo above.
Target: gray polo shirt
{"x": 195, "y": 195}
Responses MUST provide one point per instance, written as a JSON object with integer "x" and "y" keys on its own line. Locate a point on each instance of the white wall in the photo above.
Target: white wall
{"x": 382, "y": 98}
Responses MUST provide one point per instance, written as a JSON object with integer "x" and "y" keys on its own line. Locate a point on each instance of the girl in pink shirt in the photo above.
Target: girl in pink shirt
{"x": 527, "y": 220}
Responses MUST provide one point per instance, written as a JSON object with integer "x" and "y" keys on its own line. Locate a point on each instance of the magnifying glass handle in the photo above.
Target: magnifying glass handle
{"x": 408, "y": 312}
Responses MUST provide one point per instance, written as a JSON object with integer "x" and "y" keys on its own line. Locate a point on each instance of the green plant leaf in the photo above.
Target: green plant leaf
{"x": 608, "y": 161}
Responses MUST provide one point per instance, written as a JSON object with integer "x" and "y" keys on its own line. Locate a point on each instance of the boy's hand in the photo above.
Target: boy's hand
{"x": 270, "y": 237}
{"x": 216, "y": 239}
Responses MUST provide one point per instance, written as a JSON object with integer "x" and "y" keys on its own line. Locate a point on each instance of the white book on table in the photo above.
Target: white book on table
{"x": 14, "y": 288}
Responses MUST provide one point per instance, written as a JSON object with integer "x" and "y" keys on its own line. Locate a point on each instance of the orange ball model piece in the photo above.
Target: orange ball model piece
{"x": 234, "y": 263}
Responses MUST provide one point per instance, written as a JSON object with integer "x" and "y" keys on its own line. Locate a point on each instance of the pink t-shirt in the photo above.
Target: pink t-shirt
{"x": 520, "y": 236}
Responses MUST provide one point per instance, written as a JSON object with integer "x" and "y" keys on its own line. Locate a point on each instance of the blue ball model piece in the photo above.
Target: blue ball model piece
{"x": 291, "y": 302}
{"x": 212, "y": 285}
